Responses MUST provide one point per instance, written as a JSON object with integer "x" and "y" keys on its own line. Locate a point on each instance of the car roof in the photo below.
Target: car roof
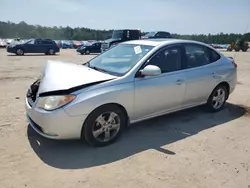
{"x": 157, "y": 42}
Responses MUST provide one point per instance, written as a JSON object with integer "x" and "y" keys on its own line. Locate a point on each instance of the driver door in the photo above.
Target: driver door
{"x": 155, "y": 95}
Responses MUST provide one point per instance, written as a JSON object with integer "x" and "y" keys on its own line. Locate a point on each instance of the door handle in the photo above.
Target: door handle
{"x": 179, "y": 82}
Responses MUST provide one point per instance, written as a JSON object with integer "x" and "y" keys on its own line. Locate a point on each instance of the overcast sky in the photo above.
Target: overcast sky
{"x": 175, "y": 16}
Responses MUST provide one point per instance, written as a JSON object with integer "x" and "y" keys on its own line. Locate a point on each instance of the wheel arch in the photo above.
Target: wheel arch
{"x": 103, "y": 105}
{"x": 224, "y": 83}
{"x": 22, "y": 48}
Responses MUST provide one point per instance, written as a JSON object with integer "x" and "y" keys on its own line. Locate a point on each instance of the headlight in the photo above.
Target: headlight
{"x": 54, "y": 102}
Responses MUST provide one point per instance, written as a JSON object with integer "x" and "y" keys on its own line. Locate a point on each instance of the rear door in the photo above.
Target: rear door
{"x": 201, "y": 65}
{"x": 46, "y": 45}
{"x": 38, "y": 46}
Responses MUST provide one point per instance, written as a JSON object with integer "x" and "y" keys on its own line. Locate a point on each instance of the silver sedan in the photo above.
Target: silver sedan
{"x": 131, "y": 82}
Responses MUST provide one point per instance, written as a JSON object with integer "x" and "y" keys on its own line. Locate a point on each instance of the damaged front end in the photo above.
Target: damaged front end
{"x": 32, "y": 92}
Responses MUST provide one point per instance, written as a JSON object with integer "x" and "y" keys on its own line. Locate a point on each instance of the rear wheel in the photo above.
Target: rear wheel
{"x": 217, "y": 98}
{"x": 87, "y": 52}
{"x": 51, "y": 52}
{"x": 244, "y": 49}
{"x": 104, "y": 125}
{"x": 19, "y": 51}
{"x": 237, "y": 49}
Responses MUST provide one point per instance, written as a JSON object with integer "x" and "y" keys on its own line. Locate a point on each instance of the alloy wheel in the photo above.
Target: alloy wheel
{"x": 106, "y": 126}
{"x": 218, "y": 98}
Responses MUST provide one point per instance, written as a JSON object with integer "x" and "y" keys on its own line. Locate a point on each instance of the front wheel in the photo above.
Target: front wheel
{"x": 217, "y": 98}
{"x": 19, "y": 51}
{"x": 87, "y": 52}
{"x": 104, "y": 125}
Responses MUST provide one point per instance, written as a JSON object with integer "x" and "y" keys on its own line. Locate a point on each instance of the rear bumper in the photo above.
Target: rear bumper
{"x": 55, "y": 124}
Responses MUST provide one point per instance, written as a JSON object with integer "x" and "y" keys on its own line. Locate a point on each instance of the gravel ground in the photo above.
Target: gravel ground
{"x": 191, "y": 148}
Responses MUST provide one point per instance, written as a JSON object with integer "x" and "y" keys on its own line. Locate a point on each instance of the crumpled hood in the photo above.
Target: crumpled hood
{"x": 58, "y": 76}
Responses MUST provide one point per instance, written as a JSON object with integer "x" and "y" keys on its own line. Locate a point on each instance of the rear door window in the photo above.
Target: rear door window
{"x": 47, "y": 42}
{"x": 214, "y": 56}
{"x": 196, "y": 55}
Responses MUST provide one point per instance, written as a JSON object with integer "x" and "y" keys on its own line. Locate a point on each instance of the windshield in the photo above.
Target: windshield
{"x": 117, "y": 34}
{"x": 119, "y": 59}
{"x": 150, "y": 34}
{"x": 32, "y": 41}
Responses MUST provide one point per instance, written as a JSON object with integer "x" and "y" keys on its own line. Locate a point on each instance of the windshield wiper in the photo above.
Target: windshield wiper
{"x": 98, "y": 69}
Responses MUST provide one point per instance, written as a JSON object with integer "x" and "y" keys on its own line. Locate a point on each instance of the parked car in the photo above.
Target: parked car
{"x": 131, "y": 82}
{"x": 3, "y": 43}
{"x": 76, "y": 44}
{"x": 90, "y": 48}
{"x": 66, "y": 44}
{"x": 119, "y": 36}
{"x": 157, "y": 34}
{"x": 46, "y": 46}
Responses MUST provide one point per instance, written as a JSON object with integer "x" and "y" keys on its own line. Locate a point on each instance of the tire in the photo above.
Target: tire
{"x": 96, "y": 134}
{"x": 211, "y": 103}
{"x": 87, "y": 52}
{"x": 237, "y": 49}
{"x": 82, "y": 53}
{"x": 51, "y": 51}
{"x": 46, "y": 53}
{"x": 19, "y": 51}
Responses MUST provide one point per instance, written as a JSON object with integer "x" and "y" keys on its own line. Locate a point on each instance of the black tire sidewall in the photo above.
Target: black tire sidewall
{"x": 51, "y": 53}
{"x": 88, "y": 125}
{"x": 19, "y": 49}
{"x": 210, "y": 99}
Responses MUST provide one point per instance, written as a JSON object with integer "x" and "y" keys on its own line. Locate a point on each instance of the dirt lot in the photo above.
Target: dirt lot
{"x": 190, "y": 149}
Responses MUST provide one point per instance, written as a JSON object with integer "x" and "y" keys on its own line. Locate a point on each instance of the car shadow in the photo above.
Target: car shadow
{"x": 32, "y": 55}
{"x": 89, "y": 54}
{"x": 150, "y": 134}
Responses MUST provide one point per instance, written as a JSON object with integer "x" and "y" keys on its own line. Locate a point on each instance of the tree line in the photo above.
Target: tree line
{"x": 26, "y": 31}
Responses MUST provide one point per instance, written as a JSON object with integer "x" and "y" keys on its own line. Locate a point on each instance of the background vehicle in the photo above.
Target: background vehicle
{"x": 3, "y": 43}
{"x": 76, "y": 44}
{"x": 240, "y": 44}
{"x": 66, "y": 44}
{"x": 157, "y": 34}
{"x": 46, "y": 46}
{"x": 121, "y": 36}
{"x": 90, "y": 48}
{"x": 131, "y": 82}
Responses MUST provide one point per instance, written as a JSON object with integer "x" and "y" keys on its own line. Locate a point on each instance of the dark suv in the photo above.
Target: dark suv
{"x": 157, "y": 34}
{"x": 46, "y": 46}
{"x": 121, "y": 36}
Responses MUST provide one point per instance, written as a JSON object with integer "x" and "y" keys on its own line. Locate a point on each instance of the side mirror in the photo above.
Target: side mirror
{"x": 151, "y": 70}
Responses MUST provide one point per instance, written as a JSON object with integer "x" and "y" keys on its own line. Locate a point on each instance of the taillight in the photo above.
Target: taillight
{"x": 233, "y": 62}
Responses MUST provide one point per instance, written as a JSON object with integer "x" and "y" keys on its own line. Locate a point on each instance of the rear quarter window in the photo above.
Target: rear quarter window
{"x": 214, "y": 56}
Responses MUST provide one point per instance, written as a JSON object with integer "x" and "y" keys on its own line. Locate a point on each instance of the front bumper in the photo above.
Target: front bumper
{"x": 11, "y": 50}
{"x": 55, "y": 124}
